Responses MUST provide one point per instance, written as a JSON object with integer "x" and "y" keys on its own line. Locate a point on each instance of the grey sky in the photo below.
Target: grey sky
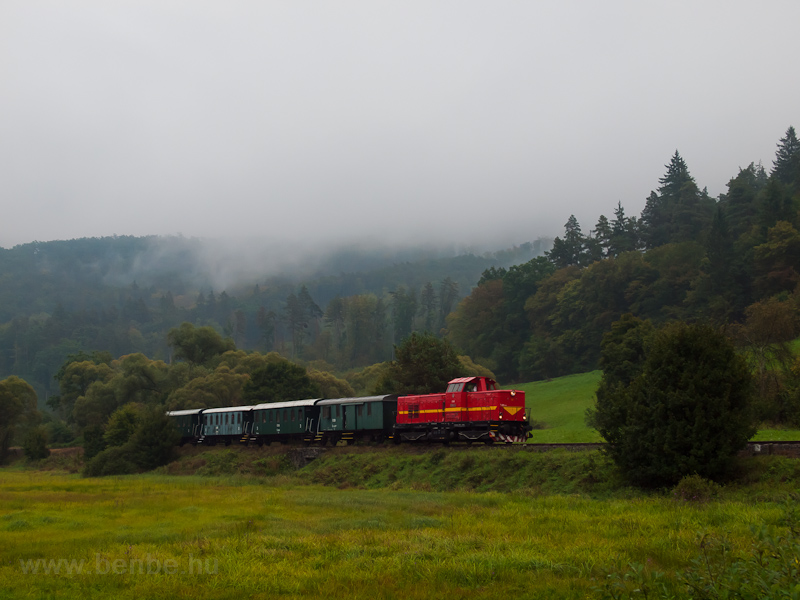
{"x": 294, "y": 120}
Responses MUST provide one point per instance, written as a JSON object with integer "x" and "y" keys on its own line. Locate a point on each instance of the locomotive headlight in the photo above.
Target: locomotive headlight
{"x": 513, "y": 392}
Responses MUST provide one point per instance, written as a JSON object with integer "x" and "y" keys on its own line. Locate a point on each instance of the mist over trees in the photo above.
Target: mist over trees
{"x": 122, "y": 295}
{"x": 531, "y": 312}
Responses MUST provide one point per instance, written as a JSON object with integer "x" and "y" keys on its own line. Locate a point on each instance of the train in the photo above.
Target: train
{"x": 472, "y": 409}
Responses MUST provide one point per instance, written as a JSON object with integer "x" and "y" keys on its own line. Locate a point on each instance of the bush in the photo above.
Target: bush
{"x": 155, "y": 440}
{"x": 93, "y": 442}
{"x": 35, "y": 445}
{"x": 151, "y": 445}
{"x": 685, "y": 408}
{"x": 111, "y": 461}
{"x": 694, "y": 488}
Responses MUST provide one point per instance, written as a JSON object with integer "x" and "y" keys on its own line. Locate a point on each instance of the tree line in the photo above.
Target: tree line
{"x": 63, "y": 298}
{"x": 116, "y": 408}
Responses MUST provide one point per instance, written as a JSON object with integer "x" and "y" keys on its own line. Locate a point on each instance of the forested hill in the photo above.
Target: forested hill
{"x": 122, "y": 294}
{"x": 732, "y": 261}
{"x": 536, "y": 312}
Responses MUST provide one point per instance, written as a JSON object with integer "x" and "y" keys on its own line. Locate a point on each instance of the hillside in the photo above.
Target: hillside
{"x": 122, "y": 295}
{"x": 559, "y": 406}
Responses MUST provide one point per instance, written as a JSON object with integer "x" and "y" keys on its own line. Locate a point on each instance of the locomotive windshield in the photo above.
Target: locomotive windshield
{"x": 455, "y": 387}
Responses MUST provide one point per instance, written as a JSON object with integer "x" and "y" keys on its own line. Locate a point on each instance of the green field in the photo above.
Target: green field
{"x": 168, "y": 536}
{"x": 560, "y": 404}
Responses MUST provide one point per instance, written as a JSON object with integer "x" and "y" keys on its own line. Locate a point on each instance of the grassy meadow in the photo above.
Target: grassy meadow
{"x": 384, "y": 522}
{"x": 375, "y": 529}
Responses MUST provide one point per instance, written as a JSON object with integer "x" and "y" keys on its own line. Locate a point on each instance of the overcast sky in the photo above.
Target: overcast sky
{"x": 296, "y": 120}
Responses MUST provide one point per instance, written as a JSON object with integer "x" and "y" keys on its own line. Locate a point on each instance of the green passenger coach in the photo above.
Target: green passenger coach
{"x": 284, "y": 421}
{"x": 188, "y": 423}
{"x": 227, "y": 424}
{"x": 350, "y": 419}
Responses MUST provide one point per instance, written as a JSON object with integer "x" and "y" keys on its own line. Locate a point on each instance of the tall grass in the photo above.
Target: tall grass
{"x": 266, "y": 541}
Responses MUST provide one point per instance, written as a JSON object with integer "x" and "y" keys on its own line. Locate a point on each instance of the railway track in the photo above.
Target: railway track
{"x": 591, "y": 445}
{"x": 784, "y": 448}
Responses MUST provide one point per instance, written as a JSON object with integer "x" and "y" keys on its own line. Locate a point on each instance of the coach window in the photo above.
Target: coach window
{"x": 291, "y": 415}
{"x": 369, "y": 409}
{"x": 326, "y": 412}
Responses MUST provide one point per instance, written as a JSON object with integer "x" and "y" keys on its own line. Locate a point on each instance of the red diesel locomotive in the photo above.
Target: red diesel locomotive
{"x": 471, "y": 410}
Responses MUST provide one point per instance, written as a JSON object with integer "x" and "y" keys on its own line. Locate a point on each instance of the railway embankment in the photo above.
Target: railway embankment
{"x": 580, "y": 469}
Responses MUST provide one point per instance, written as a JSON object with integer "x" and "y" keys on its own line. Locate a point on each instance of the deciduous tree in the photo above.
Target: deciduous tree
{"x": 18, "y": 411}
{"x": 424, "y": 364}
{"x": 197, "y": 345}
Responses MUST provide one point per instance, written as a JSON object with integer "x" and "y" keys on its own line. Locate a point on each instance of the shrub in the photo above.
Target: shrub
{"x": 685, "y": 408}
{"x": 35, "y": 444}
{"x": 93, "y": 442}
{"x": 693, "y": 488}
{"x": 111, "y": 461}
{"x": 155, "y": 440}
{"x": 151, "y": 445}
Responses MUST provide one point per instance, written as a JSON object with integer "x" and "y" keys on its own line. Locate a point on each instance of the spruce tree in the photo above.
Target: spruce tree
{"x": 786, "y": 167}
{"x": 571, "y": 250}
{"x": 679, "y": 212}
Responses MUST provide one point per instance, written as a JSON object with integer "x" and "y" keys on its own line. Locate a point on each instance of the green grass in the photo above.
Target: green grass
{"x": 276, "y": 537}
{"x": 561, "y": 403}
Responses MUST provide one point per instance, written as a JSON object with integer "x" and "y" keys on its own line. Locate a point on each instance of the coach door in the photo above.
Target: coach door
{"x": 455, "y": 403}
{"x": 351, "y": 416}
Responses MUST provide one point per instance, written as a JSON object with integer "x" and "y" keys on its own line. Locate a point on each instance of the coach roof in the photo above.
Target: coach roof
{"x": 357, "y": 400}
